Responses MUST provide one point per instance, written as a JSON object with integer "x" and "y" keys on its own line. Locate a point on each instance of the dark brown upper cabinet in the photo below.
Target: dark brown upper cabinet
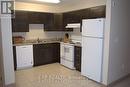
{"x": 42, "y": 18}
{"x": 20, "y": 22}
{"x": 70, "y": 17}
{"x": 58, "y": 21}
{"x": 84, "y": 13}
{"x": 98, "y": 12}
{"x": 89, "y": 13}
{"x": 35, "y": 18}
{"x": 48, "y": 21}
{"x": 55, "y": 21}
{"x": 79, "y": 15}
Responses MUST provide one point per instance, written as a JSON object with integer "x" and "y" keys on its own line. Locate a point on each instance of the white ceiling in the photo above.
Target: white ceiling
{"x": 63, "y": 2}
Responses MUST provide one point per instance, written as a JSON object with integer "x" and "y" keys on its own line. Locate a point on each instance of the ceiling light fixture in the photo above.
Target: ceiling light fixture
{"x": 50, "y": 1}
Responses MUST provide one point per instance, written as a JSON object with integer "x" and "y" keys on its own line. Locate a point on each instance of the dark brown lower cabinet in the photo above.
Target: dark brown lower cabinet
{"x": 56, "y": 52}
{"x": 46, "y": 53}
{"x": 77, "y": 58}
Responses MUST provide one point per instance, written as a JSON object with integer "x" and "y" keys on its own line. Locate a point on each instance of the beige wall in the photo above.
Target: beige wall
{"x": 82, "y": 4}
{"x": 118, "y": 65}
{"x": 36, "y": 7}
{"x": 106, "y": 43}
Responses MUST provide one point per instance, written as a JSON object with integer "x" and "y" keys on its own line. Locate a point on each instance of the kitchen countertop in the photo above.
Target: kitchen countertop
{"x": 32, "y": 42}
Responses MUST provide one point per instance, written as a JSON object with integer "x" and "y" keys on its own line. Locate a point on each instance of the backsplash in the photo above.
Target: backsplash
{"x": 37, "y": 31}
{"x": 75, "y": 35}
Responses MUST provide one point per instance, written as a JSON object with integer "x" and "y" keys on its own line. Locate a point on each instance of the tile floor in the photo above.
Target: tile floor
{"x": 55, "y": 75}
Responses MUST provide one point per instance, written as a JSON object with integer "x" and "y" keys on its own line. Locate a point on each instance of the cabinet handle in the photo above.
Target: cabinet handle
{"x": 24, "y": 47}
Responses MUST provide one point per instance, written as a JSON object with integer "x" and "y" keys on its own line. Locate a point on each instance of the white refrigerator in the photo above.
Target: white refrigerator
{"x": 92, "y": 48}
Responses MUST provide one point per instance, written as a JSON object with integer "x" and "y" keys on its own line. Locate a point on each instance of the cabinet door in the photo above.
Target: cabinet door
{"x": 98, "y": 12}
{"x": 56, "y": 52}
{"x": 43, "y": 54}
{"x": 58, "y": 22}
{"x": 24, "y": 55}
{"x": 55, "y": 22}
{"x": 49, "y": 22}
{"x": 84, "y": 14}
{"x": 71, "y": 17}
{"x": 77, "y": 58}
{"x": 42, "y": 18}
{"x": 20, "y": 22}
{"x": 34, "y": 18}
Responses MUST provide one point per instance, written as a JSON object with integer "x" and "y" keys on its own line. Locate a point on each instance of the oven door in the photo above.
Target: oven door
{"x": 69, "y": 53}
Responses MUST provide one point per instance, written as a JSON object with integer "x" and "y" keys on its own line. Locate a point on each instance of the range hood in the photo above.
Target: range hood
{"x": 73, "y": 25}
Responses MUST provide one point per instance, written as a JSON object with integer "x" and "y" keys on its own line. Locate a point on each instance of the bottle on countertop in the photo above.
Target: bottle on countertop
{"x": 66, "y": 38}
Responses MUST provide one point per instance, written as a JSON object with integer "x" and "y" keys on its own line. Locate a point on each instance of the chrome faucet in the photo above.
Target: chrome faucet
{"x": 38, "y": 40}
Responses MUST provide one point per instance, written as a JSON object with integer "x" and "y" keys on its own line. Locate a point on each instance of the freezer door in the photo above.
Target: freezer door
{"x": 92, "y": 58}
{"x": 93, "y": 27}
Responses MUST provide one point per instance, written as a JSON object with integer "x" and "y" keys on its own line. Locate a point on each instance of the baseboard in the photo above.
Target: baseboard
{"x": 116, "y": 82}
{"x": 11, "y": 85}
